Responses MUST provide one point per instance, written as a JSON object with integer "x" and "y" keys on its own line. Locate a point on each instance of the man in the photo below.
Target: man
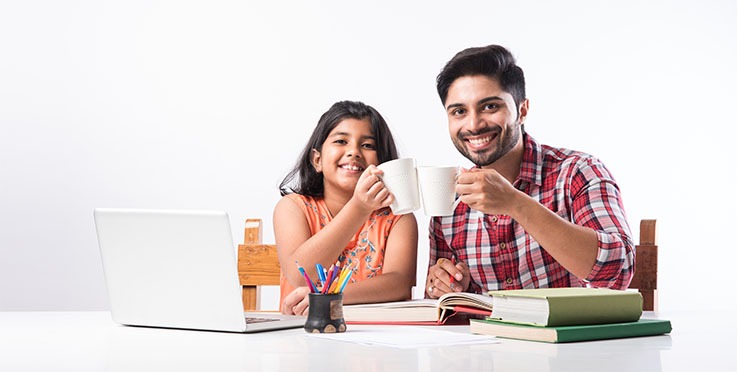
{"x": 531, "y": 215}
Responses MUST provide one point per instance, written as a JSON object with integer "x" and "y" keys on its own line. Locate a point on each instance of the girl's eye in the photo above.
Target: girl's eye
{"x": 369, "y": 146}
{"x": 340, "y": 141}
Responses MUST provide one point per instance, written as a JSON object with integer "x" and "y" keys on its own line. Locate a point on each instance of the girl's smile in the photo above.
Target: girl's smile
{"x": 346, "y": 153}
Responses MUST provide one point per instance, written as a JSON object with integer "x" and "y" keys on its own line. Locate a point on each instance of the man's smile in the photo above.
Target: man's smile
{"x": 481, "y": 142}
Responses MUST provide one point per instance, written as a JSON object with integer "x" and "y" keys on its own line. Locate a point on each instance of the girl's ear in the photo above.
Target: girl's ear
{"x": 315, "y": 159}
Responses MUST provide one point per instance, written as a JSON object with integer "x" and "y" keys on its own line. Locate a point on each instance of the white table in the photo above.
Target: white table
{"x": 90, "y": 341}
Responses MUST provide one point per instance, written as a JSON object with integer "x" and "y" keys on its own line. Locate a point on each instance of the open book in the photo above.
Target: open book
{"x": 419, "y": 311}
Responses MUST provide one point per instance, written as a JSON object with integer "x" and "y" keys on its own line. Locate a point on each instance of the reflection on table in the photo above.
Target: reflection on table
{"x": 90, "y": 341}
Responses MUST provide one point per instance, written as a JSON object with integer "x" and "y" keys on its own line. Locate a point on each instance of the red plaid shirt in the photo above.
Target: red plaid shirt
{"x": 500, "y": 253}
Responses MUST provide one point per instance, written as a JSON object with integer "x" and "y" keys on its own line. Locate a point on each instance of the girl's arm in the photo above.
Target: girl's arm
{"x": 292, "y": 232}
{"x": 400, "y": 266}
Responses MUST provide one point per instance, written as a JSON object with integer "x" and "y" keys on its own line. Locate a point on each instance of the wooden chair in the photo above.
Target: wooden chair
{"x": 646, "y": 266}
{"x": 258, "y": 264}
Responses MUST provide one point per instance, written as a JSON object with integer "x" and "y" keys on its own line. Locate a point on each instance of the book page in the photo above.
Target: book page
{"x": 476, "y": 300}
{"x": 424, "y": 302}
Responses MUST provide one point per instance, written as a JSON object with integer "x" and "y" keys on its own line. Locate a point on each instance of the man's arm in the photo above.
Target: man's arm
{"x": 595, "y": 246}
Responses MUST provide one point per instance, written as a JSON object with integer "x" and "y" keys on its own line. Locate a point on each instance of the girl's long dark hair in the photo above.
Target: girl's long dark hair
{"x": 303, "y": 179}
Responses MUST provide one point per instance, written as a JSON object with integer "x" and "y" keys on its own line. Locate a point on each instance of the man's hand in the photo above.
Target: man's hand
{"x": 439, "y": 280}
{"x": 486, "y": 190}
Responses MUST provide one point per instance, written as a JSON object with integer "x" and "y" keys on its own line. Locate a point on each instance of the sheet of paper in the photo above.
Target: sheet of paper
{"x": 405, "y": 337}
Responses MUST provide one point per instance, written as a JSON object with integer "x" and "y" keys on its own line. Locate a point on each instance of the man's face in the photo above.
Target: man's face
{"x": 483, "y": 119}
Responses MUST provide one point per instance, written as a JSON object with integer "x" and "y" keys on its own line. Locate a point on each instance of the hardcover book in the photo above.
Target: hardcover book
{"x": 566, "y": 306}
{"x": 642, "y": 327}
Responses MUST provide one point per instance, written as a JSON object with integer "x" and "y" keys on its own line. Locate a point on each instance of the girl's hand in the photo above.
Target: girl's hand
{"x": 370, "y": 191}
{"x": 297, "y": 302}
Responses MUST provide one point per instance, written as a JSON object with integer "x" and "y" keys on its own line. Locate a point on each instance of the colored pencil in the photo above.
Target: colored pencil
{"x": 453, "y": 261}
{"x": 310, "y": 284}
{"x": 345, "y": 281}
{"x": 320, "y": 273}
{"x": 329, "y": 281}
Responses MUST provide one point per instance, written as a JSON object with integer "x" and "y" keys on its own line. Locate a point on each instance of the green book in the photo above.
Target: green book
{"x": 566, "y": 306}
{"x": 642, "y": 327}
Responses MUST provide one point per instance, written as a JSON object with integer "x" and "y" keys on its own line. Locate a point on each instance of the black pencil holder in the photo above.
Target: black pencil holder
{"x": 325, "y": 313}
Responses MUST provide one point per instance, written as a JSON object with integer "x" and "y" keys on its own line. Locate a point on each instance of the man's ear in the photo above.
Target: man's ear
{"x": 315, "y": 160}
{"x": 523, "y": 109}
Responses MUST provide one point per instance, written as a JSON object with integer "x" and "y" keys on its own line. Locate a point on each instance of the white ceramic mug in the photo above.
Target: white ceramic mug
{"x": 437, "y": 187}
{"x": 400, "y": 178}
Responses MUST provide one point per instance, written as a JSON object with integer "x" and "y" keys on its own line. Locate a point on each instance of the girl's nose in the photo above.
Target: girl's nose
{"x": 354, "y": 151}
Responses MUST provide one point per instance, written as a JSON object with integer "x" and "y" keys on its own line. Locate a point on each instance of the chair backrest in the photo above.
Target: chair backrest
{"x": 645, "y": 278}
{"x": 258, "y": 264}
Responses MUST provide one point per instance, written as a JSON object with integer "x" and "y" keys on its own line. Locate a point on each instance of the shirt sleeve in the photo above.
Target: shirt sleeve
{"x": 597, "y": 204}
{"x": 439, "y": 248}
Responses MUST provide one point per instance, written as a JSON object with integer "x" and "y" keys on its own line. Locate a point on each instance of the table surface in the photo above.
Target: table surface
{"x": 91, "y": 341}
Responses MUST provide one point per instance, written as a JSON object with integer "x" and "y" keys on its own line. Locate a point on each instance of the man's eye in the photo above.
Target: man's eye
{"x": 458, "y": 112}
{"x": 490, "y": 106}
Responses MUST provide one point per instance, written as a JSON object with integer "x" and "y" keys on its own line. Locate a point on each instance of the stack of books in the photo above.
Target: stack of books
{"x": 567, "y": 315}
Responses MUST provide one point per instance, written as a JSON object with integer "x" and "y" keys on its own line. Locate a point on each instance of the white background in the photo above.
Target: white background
{"x": 207, "y": 104}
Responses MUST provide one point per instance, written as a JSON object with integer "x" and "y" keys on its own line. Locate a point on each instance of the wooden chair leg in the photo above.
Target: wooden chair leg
{"x": 250, "y": 298}
{"x": 649, "y": 299}
{"x": 252, "y": 235}
{"x": 646, "y": 266}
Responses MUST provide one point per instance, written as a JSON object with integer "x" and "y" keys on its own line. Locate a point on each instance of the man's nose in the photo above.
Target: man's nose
{"x": 475, "y": 122}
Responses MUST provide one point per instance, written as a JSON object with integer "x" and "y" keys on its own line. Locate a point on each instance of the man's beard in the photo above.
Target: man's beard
{"x": 504, "y": 144}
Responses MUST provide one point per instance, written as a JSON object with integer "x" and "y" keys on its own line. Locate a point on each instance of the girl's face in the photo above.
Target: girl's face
{"x": 347, "y": 151}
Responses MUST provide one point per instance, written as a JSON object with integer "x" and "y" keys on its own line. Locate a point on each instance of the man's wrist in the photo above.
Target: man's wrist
{"x": 521, "y": 206}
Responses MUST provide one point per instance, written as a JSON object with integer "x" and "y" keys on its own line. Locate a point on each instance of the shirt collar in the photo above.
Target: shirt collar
{"x": 531, "y": 169}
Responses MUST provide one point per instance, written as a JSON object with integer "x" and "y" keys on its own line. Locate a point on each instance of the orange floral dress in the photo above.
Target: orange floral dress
{"x": 364, "y": 253}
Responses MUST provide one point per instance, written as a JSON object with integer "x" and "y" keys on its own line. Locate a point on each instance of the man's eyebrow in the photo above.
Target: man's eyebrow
{"x": 489, "y": 99}
{"x": 481, "y": 101}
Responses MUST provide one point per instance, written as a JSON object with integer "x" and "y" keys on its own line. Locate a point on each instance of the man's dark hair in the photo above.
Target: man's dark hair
{"x": 493, "y": 61}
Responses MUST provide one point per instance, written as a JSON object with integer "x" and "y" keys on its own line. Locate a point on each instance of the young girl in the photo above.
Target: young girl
{"x": 335, "y": 207}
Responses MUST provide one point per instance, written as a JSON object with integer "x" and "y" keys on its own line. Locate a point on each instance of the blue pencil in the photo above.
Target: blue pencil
{"x": 320, "y": 273}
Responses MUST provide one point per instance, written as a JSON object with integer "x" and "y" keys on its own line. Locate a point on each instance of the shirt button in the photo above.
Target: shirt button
{"x": 509, "y": 281}
{"x": 494, "y": 219}
{"x": 502, "y": 246}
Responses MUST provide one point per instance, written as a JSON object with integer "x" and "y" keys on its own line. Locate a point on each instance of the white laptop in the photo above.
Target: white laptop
{"x": 176, "y": 269}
